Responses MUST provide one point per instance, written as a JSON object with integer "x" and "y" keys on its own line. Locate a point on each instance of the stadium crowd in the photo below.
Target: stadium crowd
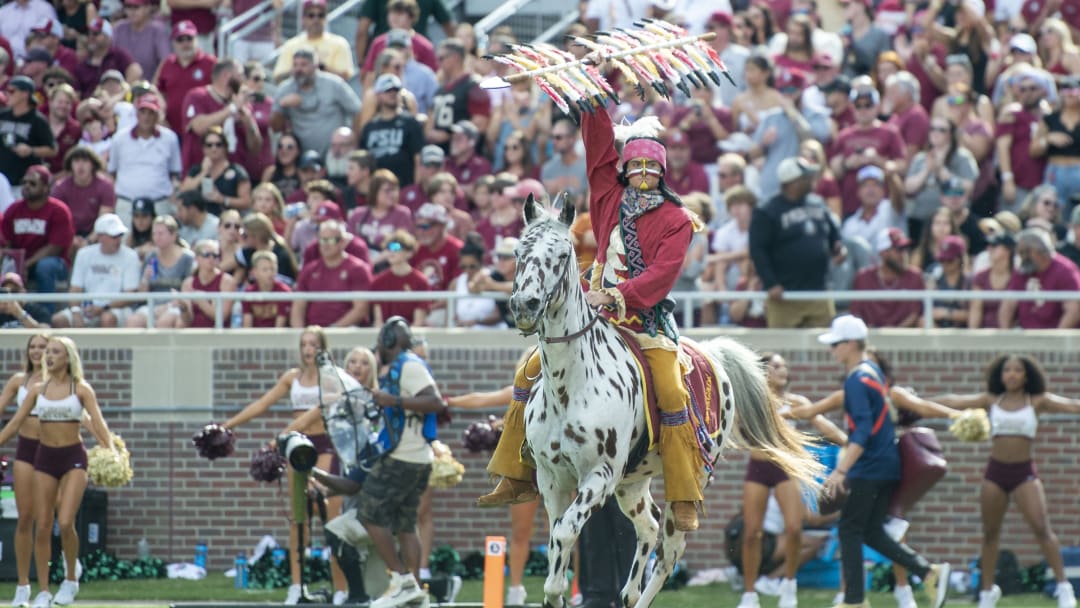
{"x": 936, "y": 143}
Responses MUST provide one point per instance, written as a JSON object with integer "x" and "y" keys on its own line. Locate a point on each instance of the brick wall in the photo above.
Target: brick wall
{"x": 178, "y": 498}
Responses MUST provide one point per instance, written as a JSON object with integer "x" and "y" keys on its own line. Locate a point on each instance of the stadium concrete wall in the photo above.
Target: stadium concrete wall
{"x": 160, "y": 388}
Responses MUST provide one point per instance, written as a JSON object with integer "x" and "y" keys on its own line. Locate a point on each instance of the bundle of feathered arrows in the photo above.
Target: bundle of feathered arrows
{"x": 656, "y": 54}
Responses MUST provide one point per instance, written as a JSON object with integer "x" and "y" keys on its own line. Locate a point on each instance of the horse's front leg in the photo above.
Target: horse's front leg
{"x": 593, "y": 490}
{"x": 671, "y": 549}
{"x": 637, "y": 503}
{"x": 556, "y": 499}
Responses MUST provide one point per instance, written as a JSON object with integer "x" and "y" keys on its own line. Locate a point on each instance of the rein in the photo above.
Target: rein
{"x": 574, "y": 336}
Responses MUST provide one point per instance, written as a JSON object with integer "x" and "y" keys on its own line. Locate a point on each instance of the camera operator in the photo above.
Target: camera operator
{"x": 388, "y": 505}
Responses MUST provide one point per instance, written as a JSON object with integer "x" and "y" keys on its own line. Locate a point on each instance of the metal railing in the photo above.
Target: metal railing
{"x": 558, "y": 28}
{"x": 256, "y": 17}
{"x": 494, "y": 18}
{"x": 687, "y": 299}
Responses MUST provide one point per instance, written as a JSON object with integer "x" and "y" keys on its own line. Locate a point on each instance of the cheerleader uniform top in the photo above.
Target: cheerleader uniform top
{"x": 67, "y": 409}
{"x": 20, "y": 396}
{"x": 303, "y": 397}
{"x": 1022, "y": 422}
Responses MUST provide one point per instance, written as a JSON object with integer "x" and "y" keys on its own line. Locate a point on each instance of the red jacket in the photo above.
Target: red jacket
{"x": 664, "y": 232}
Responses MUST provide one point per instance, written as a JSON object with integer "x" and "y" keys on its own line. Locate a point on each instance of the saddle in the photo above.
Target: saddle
{"x": 701, "y": 382}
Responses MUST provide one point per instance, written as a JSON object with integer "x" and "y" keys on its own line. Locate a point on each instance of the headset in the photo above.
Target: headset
{"x": 388, "y": 335}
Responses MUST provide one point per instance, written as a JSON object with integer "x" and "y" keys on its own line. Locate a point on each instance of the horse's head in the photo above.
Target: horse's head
{"x": 546, "y": 264}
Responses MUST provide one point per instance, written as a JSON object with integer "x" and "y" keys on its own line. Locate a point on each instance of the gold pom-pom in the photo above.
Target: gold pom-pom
{"x": 446, "y": 471}
{"x": 108, "y": 468}
{"x": 971, "y": 425}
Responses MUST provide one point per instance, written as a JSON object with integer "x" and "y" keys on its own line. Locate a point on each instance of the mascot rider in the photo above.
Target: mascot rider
{"x": 643, "y": 234}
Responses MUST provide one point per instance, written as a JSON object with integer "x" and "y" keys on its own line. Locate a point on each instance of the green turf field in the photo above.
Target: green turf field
{"x": 159, "y": 593}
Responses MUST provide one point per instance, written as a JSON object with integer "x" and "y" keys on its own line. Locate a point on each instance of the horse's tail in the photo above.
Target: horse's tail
{"x": 758, "y": 424}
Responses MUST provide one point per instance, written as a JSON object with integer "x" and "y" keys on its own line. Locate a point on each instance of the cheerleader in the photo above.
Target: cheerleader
{"x": 1015, "y": 396}
{"x": 15, "y": 391}
{"x": 301, "y": 386}
{"x": 60, "y": 476}
{"x": 763, "y": 477}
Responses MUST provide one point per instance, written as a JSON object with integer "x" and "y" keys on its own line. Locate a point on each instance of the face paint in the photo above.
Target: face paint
{"x": 644, "y": 170}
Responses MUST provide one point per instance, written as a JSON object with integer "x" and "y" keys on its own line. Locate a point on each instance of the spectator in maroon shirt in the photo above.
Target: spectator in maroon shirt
{"x": 187, "y": 68}
{"x": 400, "y": 276}
{"x": 909, "y": 118}
{"x": 264, "y": 268}
{"x": 893, "y": 273}
{"x": 213, "y": 106}
{"x": 443, "y": 190}
{"x": 358, "y": 180}
{"x": 261, "y": 109}
{"x": 1041, "y": 269}
{"x": 101, "y": 57}
{"x": 432, "y": 158}
{"x": 868, "y": 142}
{"x": 838, "y": 100}
{"x": 41, "y": 226}
{"x": 401, "y": 15}
{"x": 683, "y": 175}
{"x": 505, "y": 219}
{"x": 1020, "y": 172}
{"x": 984, "y": 313}
{"x": 86, "y": 193}
{"x": 203, "y": 14}
{"x": 333, "y": 270}
{"x": 438, "y": 253}
{"x": 66, "y": 130}
{"x": 464, "y": 163}
{"x": 46, "y": 34}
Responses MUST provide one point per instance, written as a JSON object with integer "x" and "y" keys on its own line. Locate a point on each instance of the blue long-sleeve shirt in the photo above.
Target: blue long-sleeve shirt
{"x": 870, "y": 424}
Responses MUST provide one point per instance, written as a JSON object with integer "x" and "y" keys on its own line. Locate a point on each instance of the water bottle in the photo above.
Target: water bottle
{"x": 144, "y": 549}
{"x": 294, "y": 210}
{"x": 153, "y": 268}
{"x": 241, "y": 580}
{"x": 200, "y": 554}
{"x": 237, "y": 317}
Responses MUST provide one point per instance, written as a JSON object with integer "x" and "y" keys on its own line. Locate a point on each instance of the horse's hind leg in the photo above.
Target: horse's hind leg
{"x": 671, "y": 549}
{"x": 593, "y": 490}
{"x": 637, "y": 503}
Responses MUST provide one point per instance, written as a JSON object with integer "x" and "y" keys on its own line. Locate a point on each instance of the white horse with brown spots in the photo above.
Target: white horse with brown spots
{"x": 588, "y": 412}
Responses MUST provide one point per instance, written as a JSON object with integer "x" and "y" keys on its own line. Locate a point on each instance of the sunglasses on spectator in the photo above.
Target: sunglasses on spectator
{"x": 184, "y": 38}
{"x": 469, "y": 266}
{"x": 213, "y": 144}
{"x": 210, "y": 255}
{"x": 864, "y": 106}
{"x": 329, "y": 240}
{"x": 939, "y": 129}
{"x": 31, "y": 182}
{"x": 230, "y": 226}
{"x": 1050, "y": 202}
{"x": 319, "y": 15}
{"x": 423, "y": 226}
{"x": 957, "y": 100}
{"x": 394, "y": 246}
{"x": 1029, "y": 88}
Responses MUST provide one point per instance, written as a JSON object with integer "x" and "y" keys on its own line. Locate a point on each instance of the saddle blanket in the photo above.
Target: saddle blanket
{"x": 701, "y": 380}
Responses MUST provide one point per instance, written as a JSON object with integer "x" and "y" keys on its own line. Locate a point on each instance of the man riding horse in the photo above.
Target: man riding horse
{"x": 642, "y": 233}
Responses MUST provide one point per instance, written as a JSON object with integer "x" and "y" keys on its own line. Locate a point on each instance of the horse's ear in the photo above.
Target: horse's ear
{"x": 531, "y": 212}
{"x": 566, "y": 215}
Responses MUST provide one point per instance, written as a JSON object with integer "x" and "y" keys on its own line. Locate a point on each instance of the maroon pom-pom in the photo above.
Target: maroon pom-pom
{"x": 483, "y": 435}
{"x": 214, "y": 441}
{"x": 267, "y": 465}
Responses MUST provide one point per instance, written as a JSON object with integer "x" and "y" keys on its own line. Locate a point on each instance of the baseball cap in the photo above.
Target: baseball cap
{"x": 822, "y": 60}
{"x": 432, "y": 155}
{"x": 328, "y": 210}
{"x": 398, "y": 38}
{"x": 308, "y": 3}
{"x": 506, "y": 247}
{"x": 12, "y": 277}
{"x": 1024, "y": 43}
{"x": 184, "y": 28}
{"x": 142, "y": 206}
{"x": 24, "y": 83}
{"x": 48, "y": 26}
{"x": 722, "y": 17}
{"x": 531, "y": 186}
{"x": 432, "y": 213}
{"x": 112, "y": 75}
{"x": 310, "y": 159}
{"x": 791, "y": 169}
{"x": 41, "y": 171}
{"x": 110, "y": 224}
{"x": 1001, "y": 222}
{"x": 38, "y": 54}
{"x": 467, "y": 127}
{"x": 865, "y": 93}
{"x": 387, "y": 82}
{"x": 844, "y": 328}
{"x": 951, "y": 248}
{"x": 891, "y": 238}
{"x": 101, "y": 26}
{"x": 148, "y": 102}
{"x": 676, "y": 137}
{"x": 870, "y": 172}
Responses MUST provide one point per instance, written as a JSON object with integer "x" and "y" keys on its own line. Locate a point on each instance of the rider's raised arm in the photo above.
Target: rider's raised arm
{"x": 601, "y": 166}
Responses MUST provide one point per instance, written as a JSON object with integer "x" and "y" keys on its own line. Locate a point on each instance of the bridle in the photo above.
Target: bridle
{"x": 548, "y": 297}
